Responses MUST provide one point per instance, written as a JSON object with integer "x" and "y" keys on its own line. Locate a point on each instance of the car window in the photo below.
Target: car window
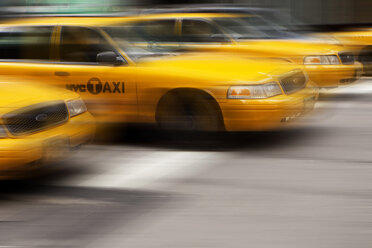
{"x": 249, "y": 27}
{"x": 25, "y": 43}
{"x": 155, "y": 31}
{"x": 82, "y": 45}
{"x": 201, "y": 31}
{"x": 137, "y": 46}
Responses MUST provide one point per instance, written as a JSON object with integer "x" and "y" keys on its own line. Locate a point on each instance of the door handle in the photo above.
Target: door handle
{"x": 62, "y": 73}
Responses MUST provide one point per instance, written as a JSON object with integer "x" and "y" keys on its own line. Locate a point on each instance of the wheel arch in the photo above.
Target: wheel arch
{"x": 185, "y": 93}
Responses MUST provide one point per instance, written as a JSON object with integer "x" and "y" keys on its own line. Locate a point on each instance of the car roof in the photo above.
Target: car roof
{"x": 228, "y": 8}
{"x": 107, "y": 20}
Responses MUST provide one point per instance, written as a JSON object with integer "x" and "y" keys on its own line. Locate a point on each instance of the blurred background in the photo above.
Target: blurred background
{"x": 315, "y": 12}
{"x": 303, "y": 187}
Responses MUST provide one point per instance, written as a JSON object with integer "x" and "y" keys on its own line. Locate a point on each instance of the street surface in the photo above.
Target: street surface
{"x": 303, "y": 187}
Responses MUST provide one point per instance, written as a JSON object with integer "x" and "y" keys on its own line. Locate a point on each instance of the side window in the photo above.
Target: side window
{"x": 25, "y": 43}
{"x": 82, "y": 45}
{"x": 201, "y": 31}
{"x": 156, "y": 31}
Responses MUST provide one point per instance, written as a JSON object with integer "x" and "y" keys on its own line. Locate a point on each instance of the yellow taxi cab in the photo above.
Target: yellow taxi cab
{"x": 39, "y": 124}
{"x": 327, "y": 63}
{"x": 121, "y": 82}
{"x": 360, "y": 39}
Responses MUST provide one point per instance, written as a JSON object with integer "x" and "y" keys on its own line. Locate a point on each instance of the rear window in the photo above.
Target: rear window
{"x": 25, "y": 43}
{"x": 155, "y": 31}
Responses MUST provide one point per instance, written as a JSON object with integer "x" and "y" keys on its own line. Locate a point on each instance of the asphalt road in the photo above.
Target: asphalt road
{"x": 306, "y": 186}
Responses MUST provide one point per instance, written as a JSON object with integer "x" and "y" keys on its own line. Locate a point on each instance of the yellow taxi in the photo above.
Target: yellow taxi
{"x": 361, "y": 41}
{"x": 328, "y": 63}
{"x": 39, "y": 124}
{"x": 121, "y": 82}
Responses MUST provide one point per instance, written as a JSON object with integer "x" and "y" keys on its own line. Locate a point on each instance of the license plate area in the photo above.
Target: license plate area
{"x": 55, "y": 148}
{"x": 309, "y": 104}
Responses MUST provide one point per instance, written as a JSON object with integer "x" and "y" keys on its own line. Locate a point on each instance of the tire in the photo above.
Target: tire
{"x": 189, "y": 112}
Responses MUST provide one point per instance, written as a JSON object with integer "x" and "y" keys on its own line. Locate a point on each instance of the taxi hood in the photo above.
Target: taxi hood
{"x": 281, "y": 47}
{"x": 352, "y": 37}
{"x": 18, "y": 95}
{"x": 296, "y": 47}
{"x": 217, "y": 67}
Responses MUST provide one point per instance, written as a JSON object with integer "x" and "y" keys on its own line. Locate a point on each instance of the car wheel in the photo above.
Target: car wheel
{"x": 179, "y": 112}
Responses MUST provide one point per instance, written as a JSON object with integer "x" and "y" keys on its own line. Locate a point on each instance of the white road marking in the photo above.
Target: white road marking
{"x": 148, "y": 170}
{"x": 340, "y": 105}
{"x": 363, "y": 86}
{"x": 358, "y": 88}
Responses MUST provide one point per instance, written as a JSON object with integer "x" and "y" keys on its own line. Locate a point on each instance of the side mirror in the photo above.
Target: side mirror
{"x": 109, "y": 57}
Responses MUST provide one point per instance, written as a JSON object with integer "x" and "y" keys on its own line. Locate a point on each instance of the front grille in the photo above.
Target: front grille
{"x": 293, "y": 82}
{"x": 347, "y": 58}
{"x": 36, "y": 117}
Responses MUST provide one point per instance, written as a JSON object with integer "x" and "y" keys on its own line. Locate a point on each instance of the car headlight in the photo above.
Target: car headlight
{"x": 254, "y": 91}
{"x": 322, "y": 60}
{"x": 2, "y": 132}
{"x": 76, "y": 107}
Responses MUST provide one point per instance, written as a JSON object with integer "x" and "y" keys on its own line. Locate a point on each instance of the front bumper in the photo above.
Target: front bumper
{"x": 21, "y": 154}
{"x": 334, "y": 75}
{"x": 267, "y": 114}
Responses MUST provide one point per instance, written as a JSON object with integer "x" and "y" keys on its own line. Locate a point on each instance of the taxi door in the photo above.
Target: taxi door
{"x": 109, "y": 89}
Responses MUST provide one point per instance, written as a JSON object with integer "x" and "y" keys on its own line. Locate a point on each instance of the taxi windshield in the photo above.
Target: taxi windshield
{"x": 136, "y": 45}
{"x": 252, "y": 27}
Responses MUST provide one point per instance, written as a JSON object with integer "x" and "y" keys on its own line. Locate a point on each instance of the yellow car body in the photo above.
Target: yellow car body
{"x": 37, "y": 127}
{"x": 360, "y": 40}
{"x": 141, "y": 90}
{"x": 357, "y": 38}
{"x": 294, "y": 50}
